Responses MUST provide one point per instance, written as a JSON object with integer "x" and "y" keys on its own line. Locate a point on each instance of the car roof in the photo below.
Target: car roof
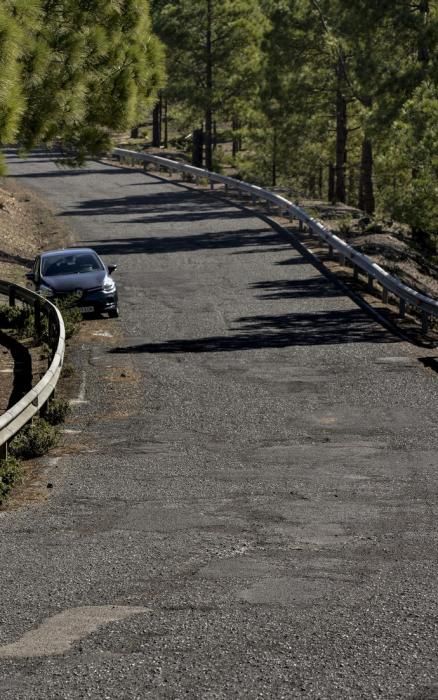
{"x": 67, "y": 251}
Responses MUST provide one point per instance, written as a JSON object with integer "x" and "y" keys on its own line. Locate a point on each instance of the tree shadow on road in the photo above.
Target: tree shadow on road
{"x": 180, "y": 205}
{"x": 297, "y": 289}
{"x": 282, "y": 331}
{"x": 255, "y": 238}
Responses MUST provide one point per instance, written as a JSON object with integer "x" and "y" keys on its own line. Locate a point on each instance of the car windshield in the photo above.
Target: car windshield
{"x": 70, "y": 264}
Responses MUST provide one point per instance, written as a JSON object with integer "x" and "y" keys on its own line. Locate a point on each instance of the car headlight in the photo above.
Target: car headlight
{"x": 108, "y": 285}
{"x": 45, "y": 291}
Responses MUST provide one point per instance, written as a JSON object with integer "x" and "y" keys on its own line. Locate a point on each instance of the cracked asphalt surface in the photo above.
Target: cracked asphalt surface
{"x": 246, "y": 503}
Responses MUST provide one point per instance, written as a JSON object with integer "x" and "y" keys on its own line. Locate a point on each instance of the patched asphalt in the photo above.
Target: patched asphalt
{"x": 246, "y": 502}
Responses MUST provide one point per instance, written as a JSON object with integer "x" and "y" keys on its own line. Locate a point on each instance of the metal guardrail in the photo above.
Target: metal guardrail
{"x": 19, "y": 414}
{"x": 427, "y": 306}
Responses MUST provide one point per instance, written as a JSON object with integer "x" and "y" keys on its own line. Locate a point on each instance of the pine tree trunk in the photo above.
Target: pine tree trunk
{"x": 331, "y": 183}
{"x": 274, "y": 159}
{"x": 166, "y": 132}
{"x": 156, "y": 126}
{"x": 197, "y": 145}
{"x": 341, "y": 134}
{"x": 423, "y": 48}
{"x": 208, "y": 139}
{"x": 209, "y": 81}
{"x": 235, "y": 126}
{"x": 366, "y": 187}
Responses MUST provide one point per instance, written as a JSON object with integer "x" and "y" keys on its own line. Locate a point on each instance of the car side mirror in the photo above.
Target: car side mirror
{"x": 111, "y": 269}
{"x": 30, "y": 276}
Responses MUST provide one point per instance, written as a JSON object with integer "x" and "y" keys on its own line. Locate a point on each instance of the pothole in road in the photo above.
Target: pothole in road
{"x": 288, "y": 591}
{"x": 57, "y": 634}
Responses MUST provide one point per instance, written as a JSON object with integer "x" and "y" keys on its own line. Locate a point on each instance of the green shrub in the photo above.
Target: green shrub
{"x": 56, "y": 411}
{"x": 21, "y": 319}
{"x": 345, "y": 226}
{"x": 16, "y": 317}
{"x": 71, "y": 315}
{"x": 374, "y": 227}
{"x": 34, "y": 440}
{"x": 10, "y": 474}
{"x": 68, "y": 370}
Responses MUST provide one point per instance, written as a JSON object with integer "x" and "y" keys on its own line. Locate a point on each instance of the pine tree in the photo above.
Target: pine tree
{"x": 75, "y": 71}
{"x": 390, "y": 47}
{"x": 213, "y": 56}
{"x": 407, "y": 165}
{"x": 18, "y": 21}
{"x": 293, "y": 136}
{"x": 95, "y": 68}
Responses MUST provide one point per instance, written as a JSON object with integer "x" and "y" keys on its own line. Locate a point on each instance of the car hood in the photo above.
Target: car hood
{"x": 71, "y": 283}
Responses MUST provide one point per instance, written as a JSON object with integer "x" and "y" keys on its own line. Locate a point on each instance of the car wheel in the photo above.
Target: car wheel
{"x": 114, "y": 313}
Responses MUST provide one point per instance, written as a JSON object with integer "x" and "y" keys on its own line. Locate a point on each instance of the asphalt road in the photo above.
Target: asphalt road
{"x": 247, "y": 507}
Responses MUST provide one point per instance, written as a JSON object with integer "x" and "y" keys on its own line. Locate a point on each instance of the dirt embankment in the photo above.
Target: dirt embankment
{"x": 27, "y": 225}
{"x": 390, "y": 244}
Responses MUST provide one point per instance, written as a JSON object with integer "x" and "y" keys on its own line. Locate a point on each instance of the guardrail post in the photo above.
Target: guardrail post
{"x": 402, "y": 312}
{"x": 44, "y": 408}
{"x": 370, "y": 282}
{"x": 50, "y": 328}
{"x": 12, "y": 296}
{"x": 211, "y": 185}
{"x": 300, "y": 226}
{"x": 425, "y": 322}
{"x": 385, "y": 295}
{"x": 330, "y": 252}
{"x": 4, "y": 451}
{"x": 37, "y": 315}
{"x": 355, "y": 272}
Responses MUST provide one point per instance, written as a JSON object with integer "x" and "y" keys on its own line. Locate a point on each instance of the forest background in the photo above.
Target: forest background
{"x": 337, "y": 99}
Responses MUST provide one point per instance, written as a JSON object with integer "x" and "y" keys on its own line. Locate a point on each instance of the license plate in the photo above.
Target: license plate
{"x": 86, "y": 309}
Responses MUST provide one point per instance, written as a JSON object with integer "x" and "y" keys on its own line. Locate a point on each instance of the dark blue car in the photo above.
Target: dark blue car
{"x": 81, "y": 275}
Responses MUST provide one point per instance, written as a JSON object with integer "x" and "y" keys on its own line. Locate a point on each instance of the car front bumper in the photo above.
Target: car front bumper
{"x": 97, "y": 301}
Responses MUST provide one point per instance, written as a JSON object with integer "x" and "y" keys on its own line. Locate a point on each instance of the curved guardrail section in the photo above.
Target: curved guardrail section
{"x": 17, "y": 416}
{"x": 407, "y": 296}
